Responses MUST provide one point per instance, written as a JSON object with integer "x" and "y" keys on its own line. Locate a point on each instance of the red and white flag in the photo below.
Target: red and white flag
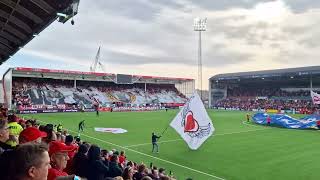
{"x": 193, "y": 123}
{"x": 315, "y": 97}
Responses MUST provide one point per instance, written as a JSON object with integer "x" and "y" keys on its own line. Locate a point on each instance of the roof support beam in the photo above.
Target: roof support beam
{"x": 22, "y": 11}
{"x": 44, "y": 6}
{"x": 10, "y": 37}
{"x": 13, "y": 30}
{"x": 15, "y": 21}
{"x": 5, "y": 49}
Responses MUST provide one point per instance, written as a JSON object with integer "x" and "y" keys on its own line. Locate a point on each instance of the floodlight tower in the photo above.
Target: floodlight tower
{"x": 200, "y": 25}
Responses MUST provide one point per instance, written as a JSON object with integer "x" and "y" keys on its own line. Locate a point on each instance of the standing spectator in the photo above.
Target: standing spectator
{"x": 162, "y": 172}
{"x": 80, "y": 162}
{"x": 97, "y": 169}
{"x": 69, "y": 141}
{"x": 122, "y": 158}
{"x": 59, "y": 156}
{"x": 31, "y": 161}
{"x": 141, "y": 172}
{"x": 4, "y": 136}
{"x": 127, "y": 173}
{"x": 31, "y": 134}
{"x": 114, "y": 169}
{"x": 14, "y": 130}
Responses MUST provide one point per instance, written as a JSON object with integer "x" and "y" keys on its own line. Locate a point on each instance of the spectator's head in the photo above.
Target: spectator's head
{"x": 114, "y": 158}
{"x": 59, "y": 154}
{"x": 127, "y": 173}
{"x": 141, "y": 168}
{"x": 104, "y": 153}
{"x": 122, "y": 153}
{"x": 118, "y": 178}
{"x": 31, "y": 134}
{"x": 31, "y": 161}
{"x": 162, "y": 171}
{"x": 83, "y": 149}
{"x": 29, "y": 123}
{"x": 69, "y": 139}
{"x": 94, "y": 153}
{"x": 4, "y": 131}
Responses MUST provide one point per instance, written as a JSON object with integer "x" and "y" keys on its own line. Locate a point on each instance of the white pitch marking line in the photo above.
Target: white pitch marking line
{"x": 174, "y": 140}
{"x": 138, "y": 152}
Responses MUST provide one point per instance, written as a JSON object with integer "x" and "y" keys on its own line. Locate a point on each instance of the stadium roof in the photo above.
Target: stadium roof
{"x": 300, "y": 71}
{"x": 91, "y": 76}
{"x": 22, "y": 20}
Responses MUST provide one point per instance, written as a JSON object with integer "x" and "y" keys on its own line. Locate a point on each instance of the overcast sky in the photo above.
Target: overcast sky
{"x": 156, "y": 37}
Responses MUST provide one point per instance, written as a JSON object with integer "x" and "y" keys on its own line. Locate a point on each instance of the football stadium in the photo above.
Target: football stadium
{"x": 74, "y": 124}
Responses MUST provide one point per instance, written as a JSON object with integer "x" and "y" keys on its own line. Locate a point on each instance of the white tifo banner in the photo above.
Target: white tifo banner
{"x": 315, "y": 97}
{"x": 111, "y": 130}
{"x": 193, "y": 123}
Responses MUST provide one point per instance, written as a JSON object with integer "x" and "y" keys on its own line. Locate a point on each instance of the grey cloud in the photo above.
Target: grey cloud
{"x": 300, "y": 6}
{"x": 226, "y": 4}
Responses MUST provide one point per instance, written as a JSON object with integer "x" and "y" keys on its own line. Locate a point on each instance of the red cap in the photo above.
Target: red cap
{"x": 56, "y": 146}
{"x": 31, "y": 134}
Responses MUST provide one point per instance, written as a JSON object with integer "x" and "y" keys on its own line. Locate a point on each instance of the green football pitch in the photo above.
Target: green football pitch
{"x": 237, "y": 150}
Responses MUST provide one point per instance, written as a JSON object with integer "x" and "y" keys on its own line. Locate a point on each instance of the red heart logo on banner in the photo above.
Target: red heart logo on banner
{"x": 191, "y": 124}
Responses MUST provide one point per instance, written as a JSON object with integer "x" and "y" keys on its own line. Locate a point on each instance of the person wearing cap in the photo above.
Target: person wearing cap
{"x": 58, "y": 152}
{"x": 31, "y": 134}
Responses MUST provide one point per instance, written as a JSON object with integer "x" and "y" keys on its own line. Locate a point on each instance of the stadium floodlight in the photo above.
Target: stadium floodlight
{"x": 200, "y": 25}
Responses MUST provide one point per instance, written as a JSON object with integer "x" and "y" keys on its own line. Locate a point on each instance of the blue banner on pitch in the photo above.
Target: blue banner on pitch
{"x": 286, "y": 121}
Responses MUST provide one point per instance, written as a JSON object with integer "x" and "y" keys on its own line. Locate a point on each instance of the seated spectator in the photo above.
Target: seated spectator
{"x": 59, "y": 156}
{"x": 31, "y": 161}
{"x": 31, "y": 134}
{"x": 4, "y": 136}
{"x": 80, "y": 162}
{"x": 114, "y": 169}
{"x": 97, "y": 169}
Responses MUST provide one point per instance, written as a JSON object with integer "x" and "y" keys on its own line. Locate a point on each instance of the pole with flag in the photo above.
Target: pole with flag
{"x": 193, "y": 123}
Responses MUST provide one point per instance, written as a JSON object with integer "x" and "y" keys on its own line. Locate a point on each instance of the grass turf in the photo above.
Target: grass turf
{"x": 238, "y": 150}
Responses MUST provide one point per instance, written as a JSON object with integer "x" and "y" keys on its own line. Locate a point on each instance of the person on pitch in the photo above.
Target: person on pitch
{"x": 155, "y": 138}
{"x": 81, "y": 126}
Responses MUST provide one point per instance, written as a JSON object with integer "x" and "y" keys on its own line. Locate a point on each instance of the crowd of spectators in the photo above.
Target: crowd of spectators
{"x": 27, "y": 92}
{"x": 266, "y": 98}
{"x": 42, "y": 152}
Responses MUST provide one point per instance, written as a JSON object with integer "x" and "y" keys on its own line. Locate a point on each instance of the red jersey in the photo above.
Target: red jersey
{"x": 122, "y": 159}
{"x": 318, "y": 123}
{"x": 54, "y": 173}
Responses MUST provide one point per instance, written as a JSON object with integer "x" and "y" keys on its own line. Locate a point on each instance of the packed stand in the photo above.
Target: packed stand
{"x": 266, "y": 98}
{"x": 29, "y": 150}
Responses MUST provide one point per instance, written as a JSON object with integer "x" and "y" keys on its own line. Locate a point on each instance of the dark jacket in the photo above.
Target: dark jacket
{"x": 114, "y": 170}
{"x": 80, "y": 165}
{"x": 97, "y": 170}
